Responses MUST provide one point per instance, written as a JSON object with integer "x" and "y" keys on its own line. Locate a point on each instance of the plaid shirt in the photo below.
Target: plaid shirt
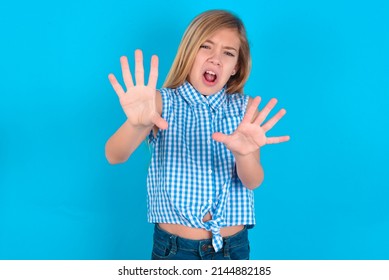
{"x": 190, "y": 174}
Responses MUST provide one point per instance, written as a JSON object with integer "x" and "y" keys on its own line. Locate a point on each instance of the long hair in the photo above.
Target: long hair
{"x": 199, "y": 30}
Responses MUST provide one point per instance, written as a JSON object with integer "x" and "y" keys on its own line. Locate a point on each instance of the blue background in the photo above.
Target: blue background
{"x": 325, "y": 194}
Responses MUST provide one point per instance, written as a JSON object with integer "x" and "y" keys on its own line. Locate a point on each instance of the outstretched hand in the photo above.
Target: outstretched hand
{"x": 250, "y": 135}
{"x": 139, "y": 102}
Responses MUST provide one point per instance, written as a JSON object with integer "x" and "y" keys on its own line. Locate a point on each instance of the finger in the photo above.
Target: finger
{"x": 276, "y": 140}
{"x": 265, "y": 111}
{"x": 251, "y": 110}
{"x": 116, "y": 86}
{"x": 160, "y": 122}
{"x": 153, "y": 77}
{"x": 127, "y": 78}
{"x": 220, "y": 137}
{"x": 139, "y": 71}
{"x": 270, "y": 123}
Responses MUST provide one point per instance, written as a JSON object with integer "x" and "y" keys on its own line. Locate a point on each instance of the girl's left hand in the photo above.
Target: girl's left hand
{"x": 249, "y": 136}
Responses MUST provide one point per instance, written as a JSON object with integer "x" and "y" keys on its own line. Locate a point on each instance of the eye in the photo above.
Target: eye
{"x": 229, "y": 54}
{"x": 205, "y": 47}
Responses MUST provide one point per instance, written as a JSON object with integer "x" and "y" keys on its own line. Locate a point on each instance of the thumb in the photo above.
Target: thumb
{"x": 220, "y": 137}
{"x": 160, "y": 122}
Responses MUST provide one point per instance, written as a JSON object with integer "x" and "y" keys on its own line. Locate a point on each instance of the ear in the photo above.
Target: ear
{"x": 236, "y": 67}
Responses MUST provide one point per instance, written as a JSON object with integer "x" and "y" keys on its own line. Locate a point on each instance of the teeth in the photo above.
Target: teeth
{"x": 210, "y": 72}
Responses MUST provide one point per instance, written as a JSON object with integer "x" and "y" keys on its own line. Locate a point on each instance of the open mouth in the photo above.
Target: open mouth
{"x": 210, "y": 76}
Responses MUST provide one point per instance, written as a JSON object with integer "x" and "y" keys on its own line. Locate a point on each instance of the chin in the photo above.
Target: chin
{"x": 209, "y": 90}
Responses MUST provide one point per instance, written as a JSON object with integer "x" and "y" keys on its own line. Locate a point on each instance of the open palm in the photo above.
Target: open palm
{"x": 139, "y": 102}
{"x": 250, "y": 135}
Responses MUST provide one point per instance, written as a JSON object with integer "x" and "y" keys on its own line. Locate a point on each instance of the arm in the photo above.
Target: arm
{"x": 247, "y": 139}
{"x": 142, "y": 106}
{"x": 249, "y": 167}
{"x": 124, "y": 142}
{"x": 249, "y": 170}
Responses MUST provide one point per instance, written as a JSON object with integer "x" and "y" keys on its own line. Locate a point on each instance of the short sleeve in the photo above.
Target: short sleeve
{"x": 237, "y": 104}
{"x": 245, "y": 101}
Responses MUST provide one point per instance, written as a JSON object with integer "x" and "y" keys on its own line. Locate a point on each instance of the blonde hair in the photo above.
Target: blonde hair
{"x": 199, "y": 30}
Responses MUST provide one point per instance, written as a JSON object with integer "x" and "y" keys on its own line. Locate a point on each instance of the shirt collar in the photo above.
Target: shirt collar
{"x": 194, "y": 98}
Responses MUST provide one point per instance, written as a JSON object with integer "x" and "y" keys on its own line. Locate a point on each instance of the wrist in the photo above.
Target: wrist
{"x": 139, "y": 126}
{"x": 240, "y": 156}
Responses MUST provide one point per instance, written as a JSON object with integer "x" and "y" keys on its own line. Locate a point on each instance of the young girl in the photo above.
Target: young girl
{"x": 206, "y": 136}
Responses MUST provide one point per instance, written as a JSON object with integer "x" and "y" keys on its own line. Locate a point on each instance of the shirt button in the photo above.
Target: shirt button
{"x": 208, "y": 142}
{"x": 209, "y": 171}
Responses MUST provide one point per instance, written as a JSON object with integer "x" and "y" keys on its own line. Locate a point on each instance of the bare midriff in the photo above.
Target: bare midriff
{"x": 198, "y": 233}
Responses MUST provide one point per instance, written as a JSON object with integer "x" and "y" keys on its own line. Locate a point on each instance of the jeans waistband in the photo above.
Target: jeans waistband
{"x": 203, "y": 245}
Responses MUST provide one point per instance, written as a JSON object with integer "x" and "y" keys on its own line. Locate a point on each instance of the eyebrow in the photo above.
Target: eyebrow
{"x": 226, "y": 47}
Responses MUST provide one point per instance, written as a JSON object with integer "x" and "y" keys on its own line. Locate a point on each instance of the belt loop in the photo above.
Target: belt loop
{"x": 226, "y": 247}
{"x": 173, "y": 240}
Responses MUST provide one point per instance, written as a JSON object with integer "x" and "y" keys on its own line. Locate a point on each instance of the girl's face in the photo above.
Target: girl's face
{"x": 215, "y": 62}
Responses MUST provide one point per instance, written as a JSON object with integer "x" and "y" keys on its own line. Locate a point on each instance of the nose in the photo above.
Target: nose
{"x": 215, "y": 58}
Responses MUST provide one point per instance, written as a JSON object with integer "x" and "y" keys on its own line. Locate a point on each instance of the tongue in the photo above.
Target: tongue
{"x": 210, "y": 77}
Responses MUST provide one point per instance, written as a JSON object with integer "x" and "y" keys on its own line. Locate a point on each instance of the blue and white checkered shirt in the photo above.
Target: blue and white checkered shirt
{"x": 190, "y": 174}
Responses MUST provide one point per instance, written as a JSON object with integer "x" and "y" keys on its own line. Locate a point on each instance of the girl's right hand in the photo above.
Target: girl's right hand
{"x": 139, "y": 102}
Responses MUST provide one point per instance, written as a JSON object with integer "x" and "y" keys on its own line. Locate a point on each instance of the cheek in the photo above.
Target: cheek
{"x": 195, "y": 67}
{"x": 192, "y": 73}
{"x": 230, "y": 63}
{"x": 229, "y": 70}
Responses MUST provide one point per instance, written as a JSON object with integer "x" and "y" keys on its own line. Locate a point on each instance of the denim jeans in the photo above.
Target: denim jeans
{"x": 168, "y": 246}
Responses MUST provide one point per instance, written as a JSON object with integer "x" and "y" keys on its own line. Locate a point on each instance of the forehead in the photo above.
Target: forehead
{"x": 226, "y": 36}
